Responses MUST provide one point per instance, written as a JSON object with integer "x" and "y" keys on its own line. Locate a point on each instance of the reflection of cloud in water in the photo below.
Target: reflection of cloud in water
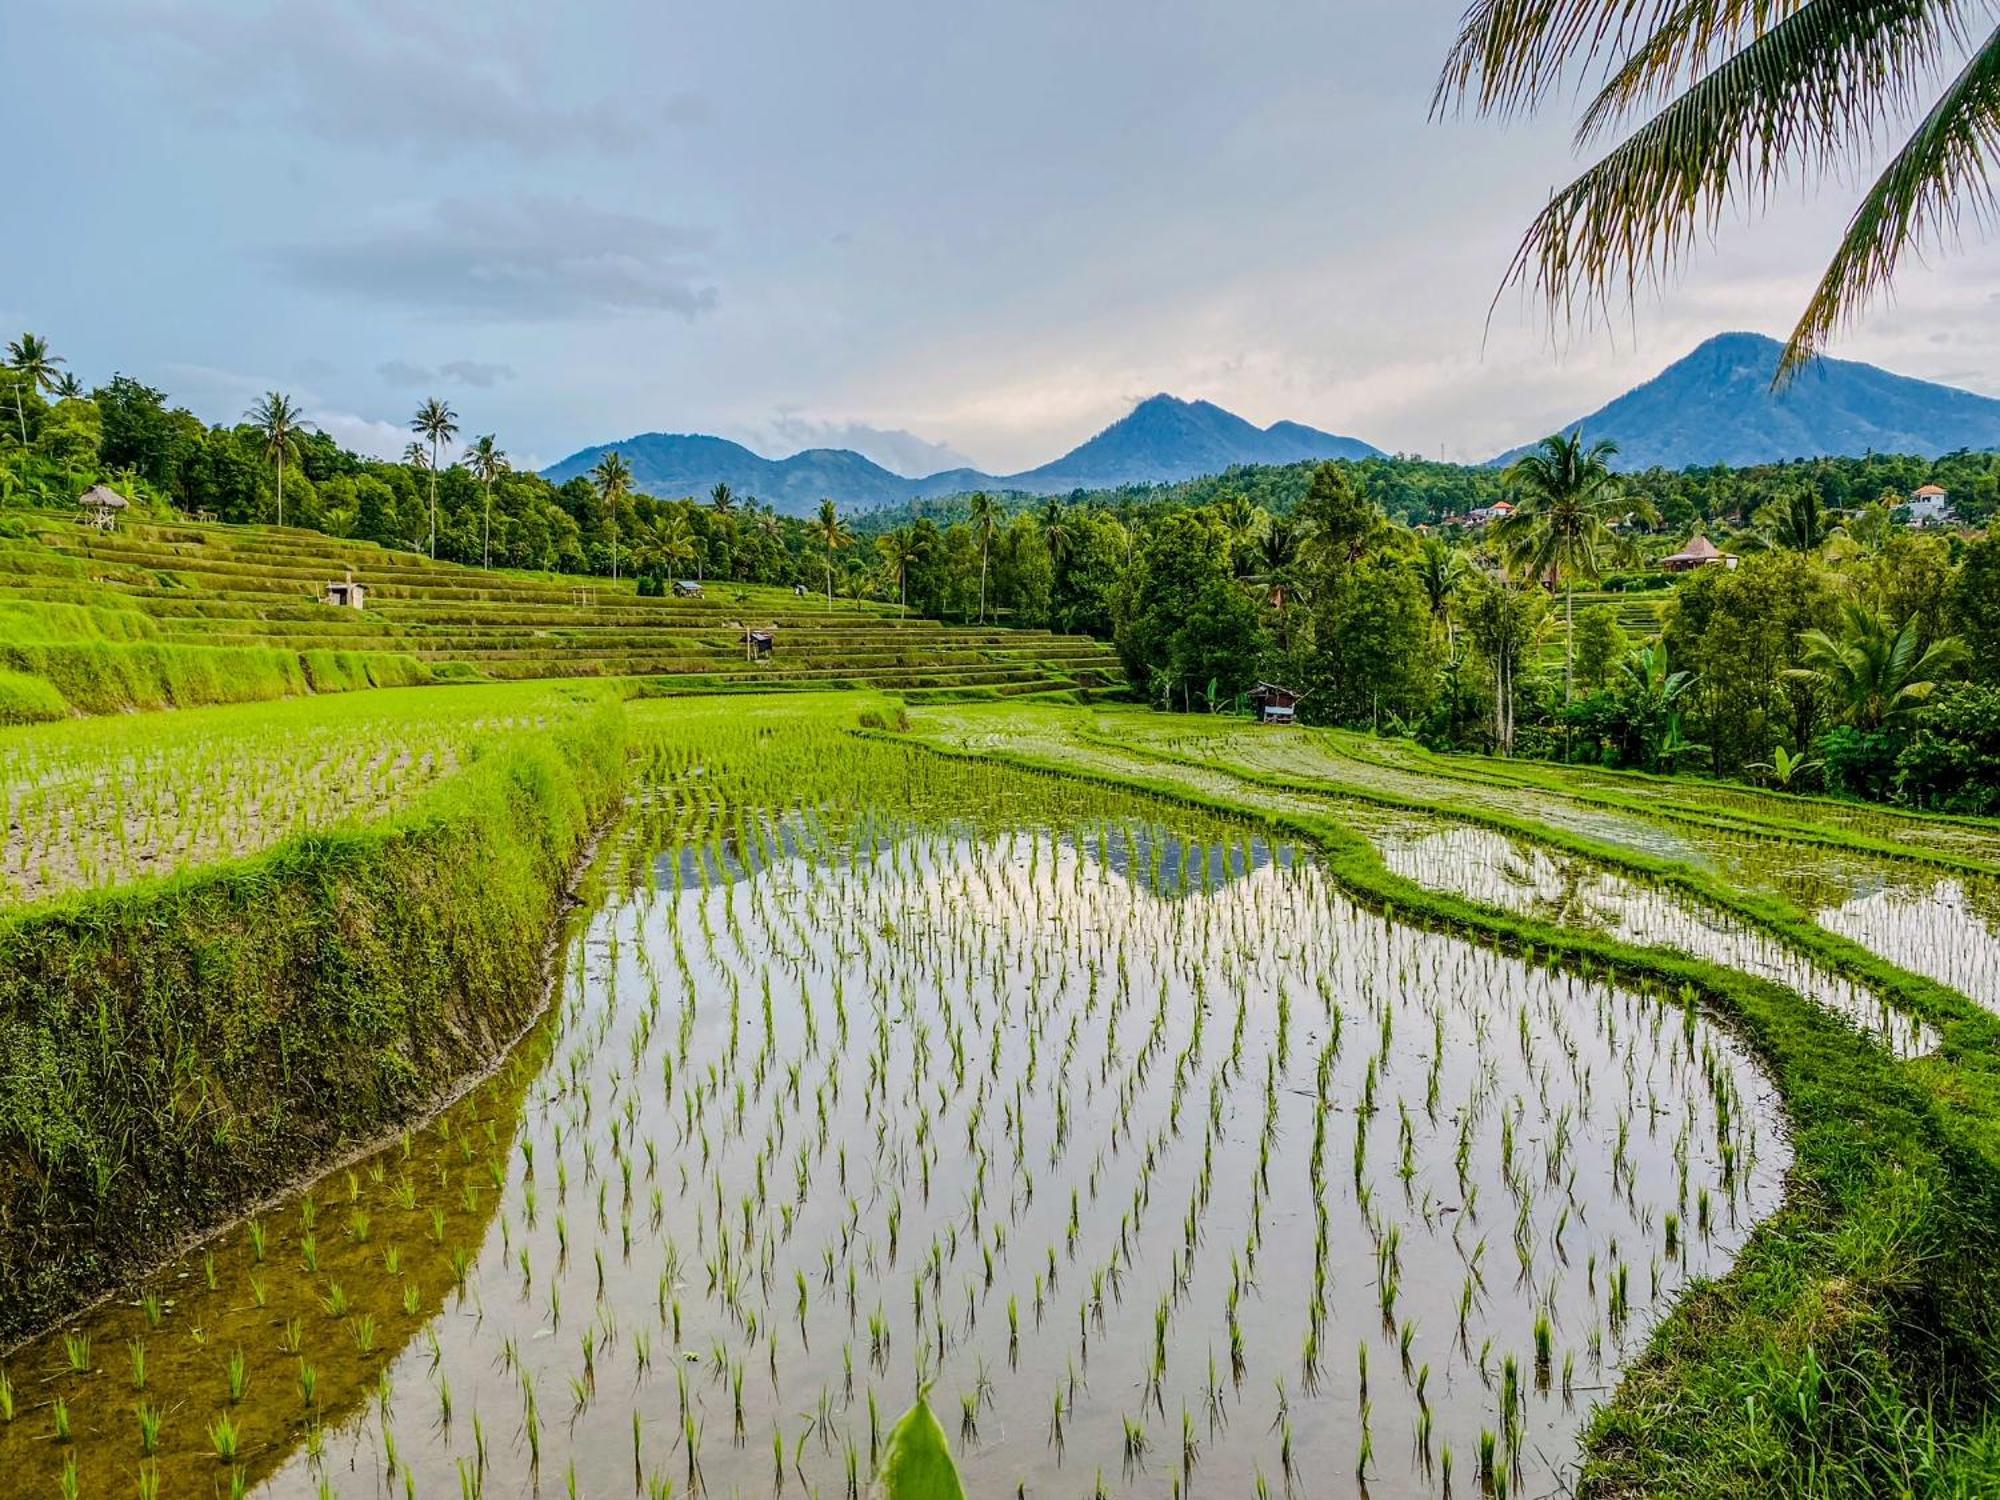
{"x": 1149, "y": 855}
{"x": 1516, "y": 875}
{"x": 1947, "y": 929}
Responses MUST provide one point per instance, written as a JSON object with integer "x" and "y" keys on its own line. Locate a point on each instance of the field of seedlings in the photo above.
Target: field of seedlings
{"x": 94, "y": 803}
{"x": 1188, "y": 1108}
{"x": 1161, "y": 1162}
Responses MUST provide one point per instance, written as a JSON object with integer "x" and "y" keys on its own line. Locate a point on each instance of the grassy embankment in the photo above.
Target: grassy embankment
{"x": 158, "y": 615}
{"x": 172, "y": 1049}
{"x": 1851, "y": 1350}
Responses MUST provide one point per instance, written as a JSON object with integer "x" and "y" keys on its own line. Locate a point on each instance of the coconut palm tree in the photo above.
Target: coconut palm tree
{"x": 900, "y": 548}
{"x": 487, "y": 463}
{"x": 34, "y": 366}
{"x": 280, "y": 423}
{"x": 1877, "y": 675}
{"x": 437, "y": 424}
{"x": 613, "y": 478}
{"x": 1560, "y": 527}
{"x": 1440, "y": 571}
{"x": 1056, "y": 530}
{"x": 674, "y": 544}
{"x": 1743, "y": 98}
{"x": 1795, "y": 523}
{"x": 722, "y": 500}
{"x": 834, "y": 535}
{"x": 67, "y": 387}
{"x": 984, "y": 514}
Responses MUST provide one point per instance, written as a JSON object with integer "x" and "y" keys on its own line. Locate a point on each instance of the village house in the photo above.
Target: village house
{"x": 1700, "y": 552}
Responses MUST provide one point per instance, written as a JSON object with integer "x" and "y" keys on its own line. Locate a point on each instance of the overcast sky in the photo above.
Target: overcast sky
{"x": 937, "y": 233}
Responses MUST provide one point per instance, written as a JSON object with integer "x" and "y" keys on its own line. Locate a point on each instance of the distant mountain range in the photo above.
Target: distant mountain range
{"x": 1160, "y": 440}
{"x": 1716, "y": 406}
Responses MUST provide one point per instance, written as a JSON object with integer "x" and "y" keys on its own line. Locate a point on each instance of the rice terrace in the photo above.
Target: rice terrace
{"x": 930, "y": 925}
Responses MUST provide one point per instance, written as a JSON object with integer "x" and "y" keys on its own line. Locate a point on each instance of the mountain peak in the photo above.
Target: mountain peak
{"x": 1718, "y": 404}
{"x": 1162, "y": 439}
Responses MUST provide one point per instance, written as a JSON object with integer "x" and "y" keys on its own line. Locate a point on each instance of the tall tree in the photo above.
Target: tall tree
{"x": 34, "y": 366}
{"x": 984, "y": 516}
{"x": 613, "y": 478}
{"x": 281, "y": 424}
{"x": 487, "y": 463}
{"x": 1441, "y": 569}
{"x": 437, "y": 424}
{"x": 834, "y": 535}
{"x": 1744, "y": 97}
{"x": 67, "y": 387}
{"x": 899, "y": 549}
{"x": 1561, "y": 524}
{"x": 722, "y": 500}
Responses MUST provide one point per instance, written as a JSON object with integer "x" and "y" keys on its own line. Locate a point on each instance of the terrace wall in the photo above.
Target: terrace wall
{"x": 172, "y": 1052}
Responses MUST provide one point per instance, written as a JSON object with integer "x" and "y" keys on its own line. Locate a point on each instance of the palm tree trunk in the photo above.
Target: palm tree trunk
{"x": 486, "y": 535}
{"x": 281, "y": 486}
{"x": 1569, "y": 639}
{"x": 982, "y": 583}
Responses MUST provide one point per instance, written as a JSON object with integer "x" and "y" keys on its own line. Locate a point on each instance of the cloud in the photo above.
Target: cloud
{"x": 367, "y": 435}
{"x": 383, "y": 73}
{"x": 893, "y": 448}
{"x": 528, "y": 259}
{"x": 402, "y": 372}
{"x": 475, "y": 373}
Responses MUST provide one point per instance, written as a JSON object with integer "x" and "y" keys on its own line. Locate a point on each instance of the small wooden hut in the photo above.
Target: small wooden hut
{"x": 1275, "y": 704}
{"x": 100, "y": 506}
{"x": 347, "y": 594}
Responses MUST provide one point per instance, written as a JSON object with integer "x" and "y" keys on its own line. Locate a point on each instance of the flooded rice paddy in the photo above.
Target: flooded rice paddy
{"x": 1168, "y": 1169}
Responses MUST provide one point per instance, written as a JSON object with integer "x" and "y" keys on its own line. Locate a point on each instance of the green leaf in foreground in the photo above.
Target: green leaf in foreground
{"x": 917, "y": 1465}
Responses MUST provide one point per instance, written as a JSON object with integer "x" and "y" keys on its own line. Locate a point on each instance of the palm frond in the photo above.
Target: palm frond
{"x": 1796, "y": 98}
{"x": 1682, "y": 45}
{"x": 1510, "y": 54}
{"x": 1940, "y": 173}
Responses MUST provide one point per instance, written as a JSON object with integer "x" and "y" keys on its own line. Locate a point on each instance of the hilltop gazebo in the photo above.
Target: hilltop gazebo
{"x": 1700, "y": 552}
{"x": 99, "y": 506}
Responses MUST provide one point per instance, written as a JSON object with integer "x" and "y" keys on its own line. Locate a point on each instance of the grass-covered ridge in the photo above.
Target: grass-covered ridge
{"x": 171, "y": 1050}
{"x": 160, "y": 615}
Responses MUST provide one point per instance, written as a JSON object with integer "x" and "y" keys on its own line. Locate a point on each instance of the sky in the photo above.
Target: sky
{"x": 937, "y": 234}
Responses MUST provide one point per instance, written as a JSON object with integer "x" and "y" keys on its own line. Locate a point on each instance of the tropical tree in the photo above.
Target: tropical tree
{"x": 1560, "y": 527}
{"x": 1650, "y": 694}
{"x": 487, "y": 463}
{"x": 281, "y": 424}
{"x": 1877, "y": 675}
{"x": 1797, "y": 522}
{"x": 1743, "y": 98}
{"x": 34, "y": 366}
{"x": 899, "y": 549}
{"x": 417, "y": 456}
{"x": 1056, "y": 529}
{"x": 674, "y": 545}
{"x": 67, "y": 387}
{"x": 722, "y": 500}
{"x": 834, "y": 535}
{"x": 985, "y": 518}
{"x": 1441, "y": 571}
{"x": 1276, "y": 561}
{"x": 613, "y": 478}
{"x": 437, "y": 424}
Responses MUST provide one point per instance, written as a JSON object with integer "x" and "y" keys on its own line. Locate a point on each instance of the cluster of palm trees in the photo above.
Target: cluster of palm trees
{"x": 36, "y": 367}
{"x": 281, "y": 423}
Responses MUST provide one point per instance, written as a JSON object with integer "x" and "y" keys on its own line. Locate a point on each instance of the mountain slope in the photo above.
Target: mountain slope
{"x": 1716, "y": 405}
{"x": 1161, "y": 440}
{"x": 1164, "y": 439}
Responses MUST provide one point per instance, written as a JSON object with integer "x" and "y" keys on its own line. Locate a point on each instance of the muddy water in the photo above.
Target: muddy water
{"x": 1166, "y": 1166}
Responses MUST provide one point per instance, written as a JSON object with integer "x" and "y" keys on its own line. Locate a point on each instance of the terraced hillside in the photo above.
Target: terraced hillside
{"x": 205, "y": 585}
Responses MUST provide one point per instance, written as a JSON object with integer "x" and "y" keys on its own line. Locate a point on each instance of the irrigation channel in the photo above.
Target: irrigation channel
{"x": 1168, "y": 1168}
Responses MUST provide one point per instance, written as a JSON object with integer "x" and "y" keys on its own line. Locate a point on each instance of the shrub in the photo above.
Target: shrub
{"x": 1952, "y": 763}
{"x": 29, "y": 700}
